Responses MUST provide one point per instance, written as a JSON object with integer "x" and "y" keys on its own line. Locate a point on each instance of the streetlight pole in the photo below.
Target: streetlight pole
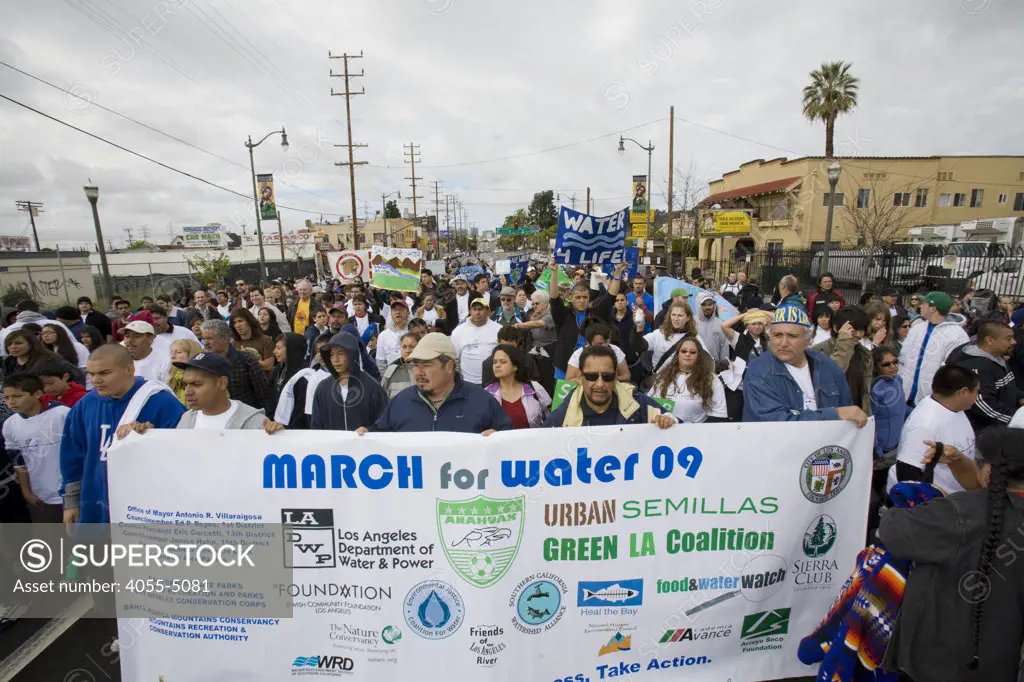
{"x": 250, "y": 145}
{"x": 650, "y": 151}
{"x": 833, "y": 180}
{"x": 92, "y": 193}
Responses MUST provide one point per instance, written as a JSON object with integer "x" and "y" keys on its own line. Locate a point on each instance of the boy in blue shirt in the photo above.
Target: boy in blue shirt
{"x": 118, "y": 400}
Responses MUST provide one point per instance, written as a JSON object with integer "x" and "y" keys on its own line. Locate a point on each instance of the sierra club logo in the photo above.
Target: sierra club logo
{"x": 820, "y": 536}
{"x": 390, "y": 634}
{"x": 481, "y": 536}
{"x": 825, "y": 473}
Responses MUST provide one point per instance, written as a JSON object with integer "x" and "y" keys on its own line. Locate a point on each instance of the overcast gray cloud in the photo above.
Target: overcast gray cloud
{"x": 470, "y": 81}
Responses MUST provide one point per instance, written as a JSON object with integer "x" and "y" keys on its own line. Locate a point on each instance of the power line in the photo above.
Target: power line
{"x": 155, "y": 130}
{"x": 144, "y": 157}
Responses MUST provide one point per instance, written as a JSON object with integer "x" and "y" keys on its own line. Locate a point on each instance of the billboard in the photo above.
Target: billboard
{"x": 10, "y": 242}
{"x": 725, "y": 223}
{"x": 268, "y": 204}
{"x": 201, "y": 236}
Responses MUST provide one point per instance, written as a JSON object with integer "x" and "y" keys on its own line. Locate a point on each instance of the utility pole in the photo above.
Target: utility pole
{"x": 280, "y": 236}
{"x": 437, "y": 214}
{"x": 447, "y": 222}
{"x": 588, "y": 200}
{"x": 129, "y": 231}
{"x": 348, "y": 95}
{"x": 412, "y": 150}
{"x": 671, "y": 171}
{"x": 33, "y": 208}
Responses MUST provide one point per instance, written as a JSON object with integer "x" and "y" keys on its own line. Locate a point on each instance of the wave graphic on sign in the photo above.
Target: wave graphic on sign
{"x": 606, "y": 241}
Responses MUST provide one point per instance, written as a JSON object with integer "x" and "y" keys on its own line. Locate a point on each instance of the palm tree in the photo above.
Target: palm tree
{"x": 832, "y": 91}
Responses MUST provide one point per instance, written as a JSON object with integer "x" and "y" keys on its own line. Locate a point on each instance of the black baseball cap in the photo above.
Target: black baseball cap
{"x": 212, "y": 363}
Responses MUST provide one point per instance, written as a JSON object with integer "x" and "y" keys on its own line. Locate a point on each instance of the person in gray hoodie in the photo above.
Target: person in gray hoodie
{"x": 206, "y": 392}
{"x": 709, "y": 327}
{"x": 352, "y": 399}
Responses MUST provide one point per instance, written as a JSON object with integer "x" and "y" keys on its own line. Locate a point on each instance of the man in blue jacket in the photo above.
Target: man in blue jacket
{"x": 794, "y": 383}
{"x": 440, "y": 400}
{"x": 118, "y": 402}
{"x": 351, "y": 399}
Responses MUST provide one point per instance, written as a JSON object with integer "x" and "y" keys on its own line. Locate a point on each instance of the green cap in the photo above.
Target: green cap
{"x": 679, "y": 292}
{"x": 940, "y": 300}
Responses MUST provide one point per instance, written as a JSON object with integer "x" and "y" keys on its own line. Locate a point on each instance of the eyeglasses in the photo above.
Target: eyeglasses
{"x": 607, "y": 376}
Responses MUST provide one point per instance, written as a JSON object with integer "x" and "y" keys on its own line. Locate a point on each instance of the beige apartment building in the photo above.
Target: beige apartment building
{"x": 789, "y": 198}
{"x": 391, "y": 232}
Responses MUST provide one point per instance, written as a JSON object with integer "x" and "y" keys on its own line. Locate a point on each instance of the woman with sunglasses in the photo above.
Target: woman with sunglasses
{"x": 689, "y": 381}
{"x": 900, "y": 329}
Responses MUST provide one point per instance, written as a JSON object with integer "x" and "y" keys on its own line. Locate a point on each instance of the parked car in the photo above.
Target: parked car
{"x": 1006, "y": 279}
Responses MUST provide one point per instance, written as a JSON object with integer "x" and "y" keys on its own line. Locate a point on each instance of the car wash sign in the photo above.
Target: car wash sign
{"x": 585, "y": 239}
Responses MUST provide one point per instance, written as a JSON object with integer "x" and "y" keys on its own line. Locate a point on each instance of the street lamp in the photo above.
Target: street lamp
{"x": 647, "y": 214}
{"x": 833, "y": 179}
{"x": 250, "y": 145}
{"x": 92, "y": 193}
{"x": 384, "y": 212}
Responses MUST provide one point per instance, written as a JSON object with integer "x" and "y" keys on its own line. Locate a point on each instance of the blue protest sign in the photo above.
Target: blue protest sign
{"x": 585, "y": 239}
{"x": 470, "y": 271}
{"x": 632, "y": 258}
{"x": 518, "y": 269}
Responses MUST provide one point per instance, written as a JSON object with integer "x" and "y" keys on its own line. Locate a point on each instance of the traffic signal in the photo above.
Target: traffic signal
{"x": 515, "y": 223}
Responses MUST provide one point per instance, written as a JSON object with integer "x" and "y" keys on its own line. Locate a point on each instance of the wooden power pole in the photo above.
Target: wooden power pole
{"x": 33, "y": 208}
{"x": 348, "y": 94}
{"x": 671, "y": 170}
{"x": 412, "y": 151}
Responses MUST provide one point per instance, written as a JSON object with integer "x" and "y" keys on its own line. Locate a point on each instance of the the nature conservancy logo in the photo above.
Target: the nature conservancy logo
{"x": 764, "y": 631}
{"x": 481, "y": 536}
{"x": 820, "y": 536}
{"x": 825, "y": 473}
{"x": 390, "y": 634}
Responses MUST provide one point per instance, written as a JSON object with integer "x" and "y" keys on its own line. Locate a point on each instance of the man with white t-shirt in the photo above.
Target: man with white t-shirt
{"x": 597, "y": 334}
{"x": 475, "y": 340}
{"x": 206, "y": 392}
{"x": 939, "y": 418}
{"x": 150, "y": 362}
{"x": 389, "y": 343}
{"x": 793, "y": 382}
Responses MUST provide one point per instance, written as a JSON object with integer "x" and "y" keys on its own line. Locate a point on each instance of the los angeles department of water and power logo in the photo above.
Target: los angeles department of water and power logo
{"x": 481, "y": 536}
{"x": 825, "y": 473}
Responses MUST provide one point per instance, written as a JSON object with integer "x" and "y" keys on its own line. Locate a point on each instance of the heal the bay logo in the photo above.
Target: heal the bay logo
{"x": 481, "y": 536}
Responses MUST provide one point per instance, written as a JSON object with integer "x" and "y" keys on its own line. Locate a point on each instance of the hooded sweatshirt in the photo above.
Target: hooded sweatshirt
{"x": 295, "y": 346}
{"x": 340, "y": 407}
{"x": 366, "y": 361}
{"x": 999, "y": 396}
{"x": 244, "y": 417}
{"x": 89, "y": 432}
{"x": 71, "y": 396}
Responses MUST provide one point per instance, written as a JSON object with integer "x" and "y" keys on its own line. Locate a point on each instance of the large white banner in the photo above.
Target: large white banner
{"x": 704, "y": 552}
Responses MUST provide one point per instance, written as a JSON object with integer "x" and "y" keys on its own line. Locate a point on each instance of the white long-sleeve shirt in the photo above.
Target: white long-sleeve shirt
{"x": 389, "y": 347}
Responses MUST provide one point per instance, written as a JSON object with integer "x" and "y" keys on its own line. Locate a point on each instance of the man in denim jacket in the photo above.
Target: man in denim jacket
{"x": 794, "y": 383}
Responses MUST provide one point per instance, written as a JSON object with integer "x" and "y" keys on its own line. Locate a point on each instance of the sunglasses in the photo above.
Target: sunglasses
{"x": 507, "y": 298}
{"x": 607, "y": 376}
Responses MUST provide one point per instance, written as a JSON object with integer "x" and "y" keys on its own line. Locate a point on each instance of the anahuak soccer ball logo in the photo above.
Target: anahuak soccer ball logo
{"x": 825, "y": 473}
{"x": 481, "y": 536}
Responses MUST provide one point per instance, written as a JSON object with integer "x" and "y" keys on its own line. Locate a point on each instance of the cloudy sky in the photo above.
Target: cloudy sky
{"x": 504, "y": 99}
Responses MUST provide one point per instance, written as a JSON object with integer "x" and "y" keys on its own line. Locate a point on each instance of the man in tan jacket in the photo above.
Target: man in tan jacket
{"x": 849, "y": 325}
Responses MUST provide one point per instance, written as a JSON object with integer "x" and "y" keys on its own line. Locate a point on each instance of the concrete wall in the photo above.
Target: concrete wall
{"x": 40, "y": 277}
{"x": 146, "y": 263}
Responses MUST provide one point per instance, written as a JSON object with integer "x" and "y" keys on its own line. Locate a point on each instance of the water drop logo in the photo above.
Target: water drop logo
{"x": 434, "y": 610}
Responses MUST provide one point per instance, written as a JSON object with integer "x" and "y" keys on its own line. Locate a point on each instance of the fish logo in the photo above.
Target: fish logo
{"x": 610, "y": 592}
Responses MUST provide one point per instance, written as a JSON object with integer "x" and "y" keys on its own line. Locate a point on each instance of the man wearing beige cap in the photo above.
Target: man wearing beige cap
{"x": 441, "y": 400}
{"x": 149, "y": 364}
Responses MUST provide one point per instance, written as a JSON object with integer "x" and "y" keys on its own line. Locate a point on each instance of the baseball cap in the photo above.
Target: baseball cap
{"x": 531, "y": 269}
{"x": 508, "y": 291}
{"x": 479, "y": 301}
{"x": 460, "y": 278}
{"x": 140, "y": 326}
{"x": 891, "y": 291}
{"x": 432, "y": 346}
{"x": 679, "y": 292}
{"x": 940, "y": 300}
{"x": 212, "y": 363}
{"x": 705, "y": 296}
{"x": 792, "y": 314}
{"x": 399, "y": 303}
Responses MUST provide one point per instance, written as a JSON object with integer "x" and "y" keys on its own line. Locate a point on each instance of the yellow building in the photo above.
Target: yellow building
{"x": 789, "y": 198}
{"x": 391, "y": 232}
